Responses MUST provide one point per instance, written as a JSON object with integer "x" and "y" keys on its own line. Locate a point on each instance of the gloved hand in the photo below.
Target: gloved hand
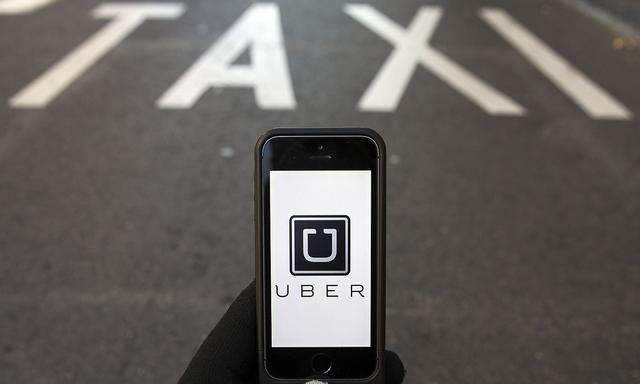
{"x": 228, "y": 354}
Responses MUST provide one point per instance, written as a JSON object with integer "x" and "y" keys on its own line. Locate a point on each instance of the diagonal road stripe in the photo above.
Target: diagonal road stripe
{"x": 593, "y": 99}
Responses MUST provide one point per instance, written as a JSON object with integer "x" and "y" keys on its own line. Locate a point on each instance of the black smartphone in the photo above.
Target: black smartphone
{"x": 320, "y": 242}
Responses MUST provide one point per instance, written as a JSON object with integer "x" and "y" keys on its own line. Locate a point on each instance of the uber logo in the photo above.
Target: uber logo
{"x": 319, "y": 245}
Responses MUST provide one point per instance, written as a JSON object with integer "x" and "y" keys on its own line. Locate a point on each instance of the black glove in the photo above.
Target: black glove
{"x": 228, "y": 355}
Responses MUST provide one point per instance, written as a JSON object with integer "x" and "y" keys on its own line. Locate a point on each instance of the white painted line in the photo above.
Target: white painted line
{"x": 20, "y": 7}
{"x": 410, "y": 49}
{"x": 126, "y": 18}
{"x": 589, "y": 96}
{"x": 257, "y": 30}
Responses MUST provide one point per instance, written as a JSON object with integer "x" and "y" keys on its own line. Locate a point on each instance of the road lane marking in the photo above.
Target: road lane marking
{"x": 594, "y": 100}
{"x": 20, "y": 7}
{"x": 411, "y": 47}
{"x": 259, "y": 30}
{"x": 126, "y": 18}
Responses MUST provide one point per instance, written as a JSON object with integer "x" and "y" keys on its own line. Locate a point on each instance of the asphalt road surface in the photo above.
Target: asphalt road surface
{"x": 126, "y": 139}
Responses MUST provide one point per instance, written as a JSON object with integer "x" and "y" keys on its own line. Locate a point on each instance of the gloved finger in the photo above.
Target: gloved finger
{"x": 228, "y": 354}
{"x": 394, "y": 369}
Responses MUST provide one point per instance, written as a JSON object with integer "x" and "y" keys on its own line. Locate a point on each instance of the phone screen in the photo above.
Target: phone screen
{"x": 320, "y": 258}
{"x": 319, "y": 251}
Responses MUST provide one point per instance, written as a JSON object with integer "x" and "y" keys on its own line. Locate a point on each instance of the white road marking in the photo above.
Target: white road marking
{"x": 259, "y": 30}
{"x": 19, "y": 7}
{"x": 412, "y": 48}
{"x": 126, "y": 18}
{"x": 593, "y": 99}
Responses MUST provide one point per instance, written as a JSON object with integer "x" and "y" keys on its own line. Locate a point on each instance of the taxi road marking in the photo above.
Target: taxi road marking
{"x": 259, "y": 30}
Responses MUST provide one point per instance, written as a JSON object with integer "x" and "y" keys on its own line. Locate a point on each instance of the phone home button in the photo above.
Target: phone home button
{"x": 321, "y": 363}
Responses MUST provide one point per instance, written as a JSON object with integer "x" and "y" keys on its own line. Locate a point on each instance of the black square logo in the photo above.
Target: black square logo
{"x": 319, "y": 245}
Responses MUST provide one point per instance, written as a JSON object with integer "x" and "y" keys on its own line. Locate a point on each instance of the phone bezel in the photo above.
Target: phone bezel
{"x": 300, "y": 152}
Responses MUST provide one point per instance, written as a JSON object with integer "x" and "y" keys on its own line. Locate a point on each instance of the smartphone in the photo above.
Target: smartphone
{"x": 320, "y": 255}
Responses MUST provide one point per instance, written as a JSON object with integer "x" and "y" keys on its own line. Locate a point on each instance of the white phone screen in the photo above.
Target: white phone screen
{"x": 320, "y": 257}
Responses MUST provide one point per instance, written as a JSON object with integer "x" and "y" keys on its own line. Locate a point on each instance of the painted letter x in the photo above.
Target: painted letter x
{"x": 412, "y": 48}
